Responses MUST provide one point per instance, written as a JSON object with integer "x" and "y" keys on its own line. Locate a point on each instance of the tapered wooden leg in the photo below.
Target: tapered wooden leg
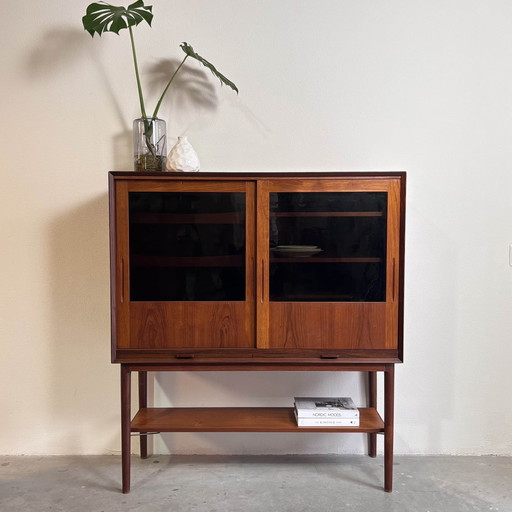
{"x": 125, "y": 426}
{"x": 389, "y": 406}
{"x": 143, "y": 403}
{"x": 372, "y": 402}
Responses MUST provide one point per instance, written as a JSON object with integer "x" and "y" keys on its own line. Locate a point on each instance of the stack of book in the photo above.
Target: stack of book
{"x": 326, "y": 412}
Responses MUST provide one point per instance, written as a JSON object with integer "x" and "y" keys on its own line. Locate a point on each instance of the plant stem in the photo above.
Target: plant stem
{"x": 157, "y": 108}
{"x": 139, "y": 88}
{"x": 147, "y": 125}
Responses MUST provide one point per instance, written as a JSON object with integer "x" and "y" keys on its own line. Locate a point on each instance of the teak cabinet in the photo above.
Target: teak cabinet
{"x": 267, "y": 271}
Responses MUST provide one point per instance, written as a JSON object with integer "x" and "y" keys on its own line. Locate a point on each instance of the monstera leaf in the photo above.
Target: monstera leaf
{"x": 191, "y": 53}
{"x": 102, "y": 17}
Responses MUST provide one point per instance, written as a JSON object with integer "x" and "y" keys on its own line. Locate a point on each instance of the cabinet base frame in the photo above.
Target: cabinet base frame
{"x": 271, "y": 419}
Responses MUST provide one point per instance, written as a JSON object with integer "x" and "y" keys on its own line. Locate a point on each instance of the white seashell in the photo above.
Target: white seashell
{"x": 182, "y": 157}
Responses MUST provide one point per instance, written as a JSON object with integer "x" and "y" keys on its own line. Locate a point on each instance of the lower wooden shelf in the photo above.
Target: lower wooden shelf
{"x": 239, "y": 419}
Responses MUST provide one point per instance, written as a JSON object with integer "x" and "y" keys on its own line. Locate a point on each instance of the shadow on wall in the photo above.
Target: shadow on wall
{"x": 83, "y": 380}
{"x": 59, "y": 51}
{"x": 190, "y": 89}
{"x": 62, "y": 48}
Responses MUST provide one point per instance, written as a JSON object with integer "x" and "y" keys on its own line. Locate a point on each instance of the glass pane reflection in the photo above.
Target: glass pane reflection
{"x": 187, "y": 246}
{"x": 328, "y": 246}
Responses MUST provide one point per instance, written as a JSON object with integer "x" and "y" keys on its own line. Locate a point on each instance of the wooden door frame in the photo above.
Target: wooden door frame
{"x": 120, "y": 265}
{"x": 394, "y": 251}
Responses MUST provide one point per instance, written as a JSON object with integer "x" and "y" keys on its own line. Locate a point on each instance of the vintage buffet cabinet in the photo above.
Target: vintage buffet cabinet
{"x": 256, "y": 272}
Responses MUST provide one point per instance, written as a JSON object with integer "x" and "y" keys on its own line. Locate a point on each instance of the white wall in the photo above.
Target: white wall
{"x": 328, "y": 85}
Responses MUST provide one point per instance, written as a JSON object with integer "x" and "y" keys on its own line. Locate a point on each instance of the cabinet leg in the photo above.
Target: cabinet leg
{"x": 143, "y": 403}
{"x": 389, "y": 406}
{"x": 125, "y": 426}
{"x": 372, "y": 402}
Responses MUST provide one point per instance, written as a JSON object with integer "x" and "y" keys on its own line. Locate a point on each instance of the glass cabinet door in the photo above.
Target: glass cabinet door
{"x": 187, "y": 246}
{"x": 186, "y": 264}
{"x": 328, "y": 246}
{"x": 328, "y": 253}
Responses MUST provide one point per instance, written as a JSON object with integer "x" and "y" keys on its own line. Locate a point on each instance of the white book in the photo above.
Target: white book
{"x": 326, "y": 407}
{"x": 319, "y": 422}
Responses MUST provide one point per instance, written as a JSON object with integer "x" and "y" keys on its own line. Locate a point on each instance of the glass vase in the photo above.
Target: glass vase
{"x": 149, "y": 144}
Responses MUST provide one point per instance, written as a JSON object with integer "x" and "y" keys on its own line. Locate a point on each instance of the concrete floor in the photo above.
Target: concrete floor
{"x": 255, "y": 483}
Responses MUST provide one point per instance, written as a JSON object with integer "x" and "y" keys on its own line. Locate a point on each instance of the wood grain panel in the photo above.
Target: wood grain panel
{"x": 119, "y": 263}
{"x": 195, "y": 185}
{"x": 244, "y": 176}
{"x": 250, "y": 263}
{"x": 262, "y": 263}
{"x": 291, "y": 366}
{"x": 327, "y": 325}
{"x": 155, "y": 325}
{"x": 393, "y": 263}
{"x": 326, "y": 185}
{"x": 247, "y": 359}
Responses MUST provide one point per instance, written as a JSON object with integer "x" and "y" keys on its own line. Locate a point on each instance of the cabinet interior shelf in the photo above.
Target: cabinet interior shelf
{"x": 326, "y": 214}
{"x": 235, "y": 260}
{"x": 232, "y": 260}
{"x": 188, "y": 218}
{"x": 239, "y": 419}
{"x": 320, "y": 259}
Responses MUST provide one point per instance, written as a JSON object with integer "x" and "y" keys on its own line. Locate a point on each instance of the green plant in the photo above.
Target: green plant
{"x": 101, "y": 17}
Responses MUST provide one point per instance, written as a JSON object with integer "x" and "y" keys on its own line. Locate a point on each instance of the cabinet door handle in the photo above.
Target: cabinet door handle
{"x": 393, "y": 283}
{"x": 184, "y": 356}
{"x": 329, "y": 356}
{"x": 122, "y": 280}
{"x": 262, "y": 281}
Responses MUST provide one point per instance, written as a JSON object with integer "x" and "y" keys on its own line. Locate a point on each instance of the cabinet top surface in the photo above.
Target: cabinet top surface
{"x": 254, "y": 175}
